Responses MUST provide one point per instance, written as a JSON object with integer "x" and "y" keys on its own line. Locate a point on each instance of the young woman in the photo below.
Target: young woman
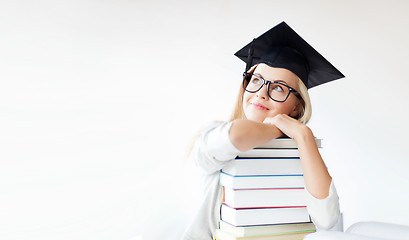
{"x": 273, "y": 102}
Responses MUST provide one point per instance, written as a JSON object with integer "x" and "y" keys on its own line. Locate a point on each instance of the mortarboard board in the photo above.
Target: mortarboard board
{"x": 282, "y": 47}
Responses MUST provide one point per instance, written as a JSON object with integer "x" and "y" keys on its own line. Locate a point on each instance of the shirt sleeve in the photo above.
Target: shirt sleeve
{"x": 214, "y": 149}
{"x": 324, "y": 212}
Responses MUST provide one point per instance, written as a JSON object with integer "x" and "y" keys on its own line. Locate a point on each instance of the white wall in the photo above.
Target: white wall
{"x": 98, "y": 100}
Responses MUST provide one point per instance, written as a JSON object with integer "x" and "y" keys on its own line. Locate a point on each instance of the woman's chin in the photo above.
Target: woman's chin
{"x": 255, "y": 115}
{"x": 256, "y": 118}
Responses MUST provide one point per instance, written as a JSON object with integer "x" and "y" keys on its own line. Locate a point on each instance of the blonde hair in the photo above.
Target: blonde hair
{"x": 304, "y": 115}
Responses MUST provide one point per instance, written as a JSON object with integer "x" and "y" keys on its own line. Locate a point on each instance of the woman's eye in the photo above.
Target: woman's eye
{"x": 277, "y": 88}
{"x": 256, "y": 81}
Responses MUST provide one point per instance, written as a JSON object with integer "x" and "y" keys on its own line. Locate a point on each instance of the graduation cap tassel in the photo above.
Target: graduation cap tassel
{"x": 250, "y": 55}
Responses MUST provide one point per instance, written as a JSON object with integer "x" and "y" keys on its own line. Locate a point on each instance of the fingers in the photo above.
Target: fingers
{"x": 270, "y": 120}
{"x": 279, "y": 118}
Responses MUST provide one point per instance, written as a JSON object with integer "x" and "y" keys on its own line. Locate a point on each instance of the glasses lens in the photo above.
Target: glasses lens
{"x": 254, "y": 84}
{"x": 278, "y": 92}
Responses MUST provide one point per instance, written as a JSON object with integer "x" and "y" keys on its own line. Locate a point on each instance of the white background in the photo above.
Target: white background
{"x": 98, "y": 101}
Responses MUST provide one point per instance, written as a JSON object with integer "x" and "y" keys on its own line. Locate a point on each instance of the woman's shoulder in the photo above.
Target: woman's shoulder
{"x": 212, "y": 124}
{"x": 203, "y": 130}
{"x": 215, "y": 125}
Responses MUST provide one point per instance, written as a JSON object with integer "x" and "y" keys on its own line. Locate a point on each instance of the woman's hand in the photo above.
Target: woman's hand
{"x": 289, "y": 126}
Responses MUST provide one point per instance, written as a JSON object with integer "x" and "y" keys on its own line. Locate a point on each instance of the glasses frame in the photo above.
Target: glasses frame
{"x": 247, "y": 76}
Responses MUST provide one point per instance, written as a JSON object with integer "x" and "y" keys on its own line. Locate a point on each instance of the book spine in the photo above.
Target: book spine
{"x": 265, "y": 198}
{"x": 264, "y": 153}
{"x": 264, "y": 166}
{"x": 264, "y": 216}
{"x": 261, "y": 181}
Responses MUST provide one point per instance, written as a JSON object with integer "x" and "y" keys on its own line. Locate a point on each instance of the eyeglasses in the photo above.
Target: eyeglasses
{"x": 277, "y": 90}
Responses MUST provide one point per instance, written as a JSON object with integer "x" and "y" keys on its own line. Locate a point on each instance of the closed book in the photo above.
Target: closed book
{"x": 221, "y": 235}
{"x": 285, "y": 143}
{"x": 269, "y": 152}
{"x": 264, "y": 166}
{"x": 264, "y": 216}
{"x": 248, "y": 231}
{"x": 265, "y": 198}
{"x": 261, "y": 181}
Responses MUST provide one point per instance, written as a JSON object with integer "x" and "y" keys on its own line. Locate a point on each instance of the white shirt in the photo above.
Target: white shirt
{"x": 211, "y": 152}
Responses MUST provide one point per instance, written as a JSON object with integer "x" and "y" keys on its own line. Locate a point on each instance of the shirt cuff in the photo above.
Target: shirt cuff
{"x": 324, "y": 212}
{"x": 214, "y": 149}
{"x": 220, "y": 146}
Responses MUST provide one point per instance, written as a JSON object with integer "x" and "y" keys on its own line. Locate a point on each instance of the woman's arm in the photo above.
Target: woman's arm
{"x": 323, "y": 204}
{"x": 316, "y": 176}
{"x": 247, "y": 134}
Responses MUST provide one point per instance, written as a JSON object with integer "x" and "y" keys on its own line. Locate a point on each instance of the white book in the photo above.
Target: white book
{"x": 250, "y": 231}
{"x": 285, "y": 143}
{"x": 261, "y": 181}
{"x": 264, "y": 166}
{"x": 269, "y": 152}
{"x": 264, "y": 216}
{"x": 265, "y": 198}
{"x": 222, "y": 235}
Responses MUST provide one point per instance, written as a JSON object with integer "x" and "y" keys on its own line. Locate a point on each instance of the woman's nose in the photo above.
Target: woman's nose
{"x": 262, "y": 93}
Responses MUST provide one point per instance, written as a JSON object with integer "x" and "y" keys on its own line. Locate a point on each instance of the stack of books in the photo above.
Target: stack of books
{"x": 264, "y": 196}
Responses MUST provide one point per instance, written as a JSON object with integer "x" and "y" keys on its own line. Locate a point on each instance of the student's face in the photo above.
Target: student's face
{"x": 257, "y": 106}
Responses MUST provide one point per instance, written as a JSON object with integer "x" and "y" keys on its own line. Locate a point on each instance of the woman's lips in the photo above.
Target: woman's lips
{"x": 259, "y": 106}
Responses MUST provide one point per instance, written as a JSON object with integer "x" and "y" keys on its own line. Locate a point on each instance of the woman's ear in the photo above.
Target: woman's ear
{"x": 296, "y": 110}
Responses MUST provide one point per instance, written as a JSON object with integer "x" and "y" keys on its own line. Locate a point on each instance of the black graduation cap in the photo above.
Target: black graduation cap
{"x": 282, "y": 47}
